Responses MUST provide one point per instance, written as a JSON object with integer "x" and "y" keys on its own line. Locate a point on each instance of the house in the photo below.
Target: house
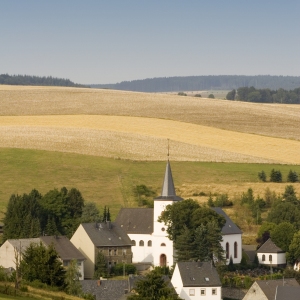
{"x": 107, "y": 238}
{"x": 271, "y": 255}
{"x": 268, "y": 289}
{"x": 196, "y": 280}
{"x": 65, "y": 249}
{"x": 232, "y": 238}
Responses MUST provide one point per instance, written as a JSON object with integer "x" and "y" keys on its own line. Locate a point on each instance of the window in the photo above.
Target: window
{"x": 66, "y": 263}
{"x": 133, "y": 243}
{"x": 227, "y": 250}
{"x": 149, "y": 243}
{"x": 235, "y": 250}
{"x": 141, "y": 243}
{"x": 163, "y": 229}
{"x": 214, "y": 291}
{"x": 115, "y": 251}
{"x": 109, "y": 251}
{"x": 263, "y": 257}
{"x": 270, "y": 257}
{"x": 163, "y": 245}
{"x": 124, "y": 251}
{"x": 192, "y": 292}
{"x": 202, "y": 292}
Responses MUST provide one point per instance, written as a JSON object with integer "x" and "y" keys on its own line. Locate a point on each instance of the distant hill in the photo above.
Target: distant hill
{"x": 199, "y": 83}
{"x": 37, "y": 81}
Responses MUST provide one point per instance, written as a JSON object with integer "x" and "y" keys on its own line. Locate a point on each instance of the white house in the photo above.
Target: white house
{"x": 196, "y": 280}
{"x": 65, "y": 249}
{"x": 271, "y": 255}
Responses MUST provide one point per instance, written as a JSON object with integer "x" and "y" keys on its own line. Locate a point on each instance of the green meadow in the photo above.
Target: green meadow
{"x": 110, "y": 182}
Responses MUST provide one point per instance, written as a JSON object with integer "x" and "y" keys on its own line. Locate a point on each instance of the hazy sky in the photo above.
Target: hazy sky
{"x": 115, "y": 40}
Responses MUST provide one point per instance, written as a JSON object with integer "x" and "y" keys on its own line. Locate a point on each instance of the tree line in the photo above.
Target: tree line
{"x": 251, "y": 94}
{"x": 199, "y": 83}
{"x": 58, "y": 212}
{"x": 36, "y": 80}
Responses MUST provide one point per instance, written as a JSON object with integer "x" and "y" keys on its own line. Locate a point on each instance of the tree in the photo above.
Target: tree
{"x": 41, "y": 263}
{"x": 231, "y": 95}
{"x": 290, "y": 194}
{"x": 153, "y": 287}
{"x": 294, "y": 248}
{"x": 275, "y": 176}
{"x": 73, "y": 286}
{"x": 292, "y": 176}
{"x": 265, "y": 231}
{"x": 100, "y": 266}
{"x": 282, "y": 235}
{"x": 262, "y": 176}
{"x": 211, "y": 96}
{"x": 185, "y": 245}
{"x": 90, "y": 213}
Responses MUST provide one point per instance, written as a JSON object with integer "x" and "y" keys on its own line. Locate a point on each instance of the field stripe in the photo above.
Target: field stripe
{"x": 282, "y": 150}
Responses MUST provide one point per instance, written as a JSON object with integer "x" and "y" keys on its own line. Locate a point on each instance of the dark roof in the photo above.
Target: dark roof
{"x": 106, "y": 234}
{"x": 269, "y": 247}
{"x": 107, "y": 290}
{"x": 168, "y": 189}
{"x": 269, "y": 286}
{"x": 198, "y": 274}
{"x": 288, "y": 292}
{"x": 135, "y": 220}
{"x": 65, "y": 249}
{"x": 229, "y": 227}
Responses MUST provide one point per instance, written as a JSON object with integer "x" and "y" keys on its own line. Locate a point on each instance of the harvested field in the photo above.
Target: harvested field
{"x": 136, "y": 125}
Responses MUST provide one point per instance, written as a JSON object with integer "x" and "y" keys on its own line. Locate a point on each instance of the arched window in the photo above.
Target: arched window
{"x": 227, "y": 250}
{"x": 263, "y": 258}
{"x": 149, "y": 243}
{"x": 141, "y": 243}
{"x": 270, "y": 257}
{"x": 163, "y": 245}
{"x": 235, "y": 255}
{"x": 133, "y": 243}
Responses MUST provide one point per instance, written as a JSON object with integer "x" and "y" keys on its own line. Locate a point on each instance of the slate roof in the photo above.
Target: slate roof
{"x": 23, "y": 243}
{"x": 288, "y": 292}
{"x": 106, "y": 234}
{"x": 65, "y": 249}
{"x": 107, "y": 290}
{"x": 135, "y": 220}
{"x": 198, "y": 274}
{"x": 269, "y": 247}
{"x": 168, "y": 189}
{"x": 229, "y": 227}
{"x": 269, "y": 286}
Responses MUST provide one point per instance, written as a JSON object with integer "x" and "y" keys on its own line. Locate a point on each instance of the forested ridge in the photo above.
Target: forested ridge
{"x": 36, "y": 80}
{"x": 198, "y": 83}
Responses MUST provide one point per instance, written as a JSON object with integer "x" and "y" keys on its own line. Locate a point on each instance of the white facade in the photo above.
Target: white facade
{"x": 273, "y": 259}
{"x": 194, "y": 292}
{"x": 232, "y": 244}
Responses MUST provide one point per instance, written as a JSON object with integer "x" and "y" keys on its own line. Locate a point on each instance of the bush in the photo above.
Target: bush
{"x": 198, "y": 95}
{"x": 211, "y": 96}
{"x": 275, "y": 176}
{"x": 182, "y": 94}
{"x": 118, "y": 269}
{"x": 292, "y": 176}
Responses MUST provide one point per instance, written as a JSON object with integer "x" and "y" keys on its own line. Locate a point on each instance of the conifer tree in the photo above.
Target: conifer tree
{"x": 184, "y": 245}
{"x": 73, "y": 286}
{"x": 100, "y": 266}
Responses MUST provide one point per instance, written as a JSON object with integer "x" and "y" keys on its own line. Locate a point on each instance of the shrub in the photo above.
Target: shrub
{"x": 211, "y": 96}
{"x": 118, "y": 269}
{"x": 182, "y": 94}
{"x": 292, "y": 176}
{"x": 275, "y": 176}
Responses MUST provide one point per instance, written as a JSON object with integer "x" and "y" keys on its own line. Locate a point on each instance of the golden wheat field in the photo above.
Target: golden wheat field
{"x": 137, "y": 126}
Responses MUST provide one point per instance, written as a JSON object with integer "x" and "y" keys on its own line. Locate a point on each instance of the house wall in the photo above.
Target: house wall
{"x": 231, "y": 239}
{"x": 277, "y": 259}
{"x": 186, "y": 293}
{"x": 7, "y": 255}
{"x": 255, "y": 293}
{"x": 82, "y": 242}
{"x": 80, "y": 265}
{"x": 176, "y": 280}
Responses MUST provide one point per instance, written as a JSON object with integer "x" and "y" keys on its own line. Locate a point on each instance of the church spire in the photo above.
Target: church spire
{"x": 168, "y": 189}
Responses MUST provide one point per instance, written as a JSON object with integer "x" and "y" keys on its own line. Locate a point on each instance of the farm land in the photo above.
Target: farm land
{"x": 106, "y": 142}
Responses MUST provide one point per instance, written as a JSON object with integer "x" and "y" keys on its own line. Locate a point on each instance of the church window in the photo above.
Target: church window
{"x": 149, "y": 243}
{"x": 141, "y": 243}
{"x": 163, "y": 245}
{"x": 227, "y": 250}
{"x": 163, "y": 229}
{"x": 263, "y": 257}
{"x": 133, "y": 243}
{"x": 235, "y": 250}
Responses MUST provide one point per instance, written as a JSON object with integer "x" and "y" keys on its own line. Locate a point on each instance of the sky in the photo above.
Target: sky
{"x": 98, "y": 42}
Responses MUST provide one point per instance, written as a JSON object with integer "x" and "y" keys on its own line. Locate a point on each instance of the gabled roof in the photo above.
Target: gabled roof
{"x": 23, "y": 244}
{"x": 64, "y": 248}
{"x": 229, "y": 227}
{"x": 269, "y": 247}
{"x": 106, "y": 234}
{"x": 198, "y": 274}
{"x": 269, "y": 286}
{"x": 135, "y": 220}
{"x": 288, "y": 292}
{"x": 168, "y": 188}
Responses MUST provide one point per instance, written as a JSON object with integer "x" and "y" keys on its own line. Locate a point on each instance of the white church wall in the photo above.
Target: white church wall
{"x": 143, "y": 249}
{"x": 231, "y": 239}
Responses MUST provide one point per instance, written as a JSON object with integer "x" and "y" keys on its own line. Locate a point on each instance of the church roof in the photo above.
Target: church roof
{"x": 269, "y": 247}
{"x": 198, "y": 274}
{"x": 229, "y": 227}
{"x": 135, "y": 220}
{"x": 168, "y": 188}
